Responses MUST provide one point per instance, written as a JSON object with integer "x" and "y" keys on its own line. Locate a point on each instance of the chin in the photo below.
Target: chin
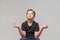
{"x": 29, "y": 18}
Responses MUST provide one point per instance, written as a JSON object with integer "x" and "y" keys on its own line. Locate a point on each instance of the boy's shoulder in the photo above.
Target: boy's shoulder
{"x": 26, "y": 22}
{"x": 36, "y": 23}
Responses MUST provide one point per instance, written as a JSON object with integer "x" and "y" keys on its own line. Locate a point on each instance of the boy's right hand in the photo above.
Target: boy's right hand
{"x": 15, "y": 25}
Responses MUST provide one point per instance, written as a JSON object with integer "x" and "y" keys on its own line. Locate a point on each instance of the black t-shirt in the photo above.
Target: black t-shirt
{"x": 30, "y": 30}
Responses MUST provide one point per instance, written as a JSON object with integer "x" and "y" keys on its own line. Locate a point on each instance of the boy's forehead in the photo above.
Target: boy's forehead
{"x": 30, "y": 11}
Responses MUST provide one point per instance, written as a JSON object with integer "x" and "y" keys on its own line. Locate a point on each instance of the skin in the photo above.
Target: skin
{"x": 30, "y": 17}
{"x": 21, "y": 32}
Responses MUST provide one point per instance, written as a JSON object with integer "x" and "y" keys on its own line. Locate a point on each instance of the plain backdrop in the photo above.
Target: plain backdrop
{"x": 47, "y": 11}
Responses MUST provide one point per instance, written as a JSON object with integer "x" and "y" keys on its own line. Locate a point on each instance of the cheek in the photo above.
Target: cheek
{"x": 31, "y": 15}
{"x": 27, "y": 16}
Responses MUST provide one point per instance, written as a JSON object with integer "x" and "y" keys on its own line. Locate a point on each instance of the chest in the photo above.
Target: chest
{"x": 30, "y": 28}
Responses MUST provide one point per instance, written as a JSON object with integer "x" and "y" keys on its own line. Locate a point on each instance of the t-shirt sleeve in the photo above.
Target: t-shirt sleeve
{"x": 37, "y": 27}
{"x": 23, "y": 27}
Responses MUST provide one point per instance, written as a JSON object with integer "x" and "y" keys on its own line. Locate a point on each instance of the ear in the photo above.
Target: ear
{"x": 34, "y": 17}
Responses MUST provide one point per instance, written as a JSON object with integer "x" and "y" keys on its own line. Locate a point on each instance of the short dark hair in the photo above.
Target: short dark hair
{"x": 32, "y": 11}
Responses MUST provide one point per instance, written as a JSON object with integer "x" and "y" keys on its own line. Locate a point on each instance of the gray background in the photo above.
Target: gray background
{"x": 47, "y": 11}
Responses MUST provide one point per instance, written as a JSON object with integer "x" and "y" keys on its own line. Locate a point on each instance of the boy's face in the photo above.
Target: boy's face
{"x": 30, "y": 15}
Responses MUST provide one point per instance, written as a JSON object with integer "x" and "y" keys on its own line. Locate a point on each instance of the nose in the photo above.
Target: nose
{"x": 29, "y": 15}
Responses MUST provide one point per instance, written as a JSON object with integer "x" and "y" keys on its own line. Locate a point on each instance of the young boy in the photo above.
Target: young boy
{"x": 29, "y": 29}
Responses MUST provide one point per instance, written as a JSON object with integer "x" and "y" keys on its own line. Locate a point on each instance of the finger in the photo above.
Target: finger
{"x": 14, "y": 22}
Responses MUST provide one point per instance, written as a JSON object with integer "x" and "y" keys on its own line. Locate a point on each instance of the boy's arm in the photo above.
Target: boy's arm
{"x": 38, "y": 33}
{"x": 21, "y": 32}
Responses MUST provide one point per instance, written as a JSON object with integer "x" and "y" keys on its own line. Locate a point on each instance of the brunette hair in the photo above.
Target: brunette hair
{"x": 32, "y": 11}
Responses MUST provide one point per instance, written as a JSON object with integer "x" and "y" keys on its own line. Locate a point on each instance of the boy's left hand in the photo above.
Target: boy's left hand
{"x": 45, "y": 26}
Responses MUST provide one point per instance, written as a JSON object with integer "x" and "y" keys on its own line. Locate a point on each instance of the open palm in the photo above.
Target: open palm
{"x": 15, "y": 25}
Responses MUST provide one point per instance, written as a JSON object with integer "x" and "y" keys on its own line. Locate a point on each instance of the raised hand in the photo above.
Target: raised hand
{"x": 45, "y": 26}
{"x": 16, "y": 25}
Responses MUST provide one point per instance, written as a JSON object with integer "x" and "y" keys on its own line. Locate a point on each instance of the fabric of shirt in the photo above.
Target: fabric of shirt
{"x": 30, "y": 30}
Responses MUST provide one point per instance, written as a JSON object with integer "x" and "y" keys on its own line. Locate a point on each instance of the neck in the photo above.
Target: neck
{"x": 30, "y": 21}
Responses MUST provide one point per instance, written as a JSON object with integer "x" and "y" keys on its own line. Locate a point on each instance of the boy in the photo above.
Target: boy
{"x": 29, "y": 29}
